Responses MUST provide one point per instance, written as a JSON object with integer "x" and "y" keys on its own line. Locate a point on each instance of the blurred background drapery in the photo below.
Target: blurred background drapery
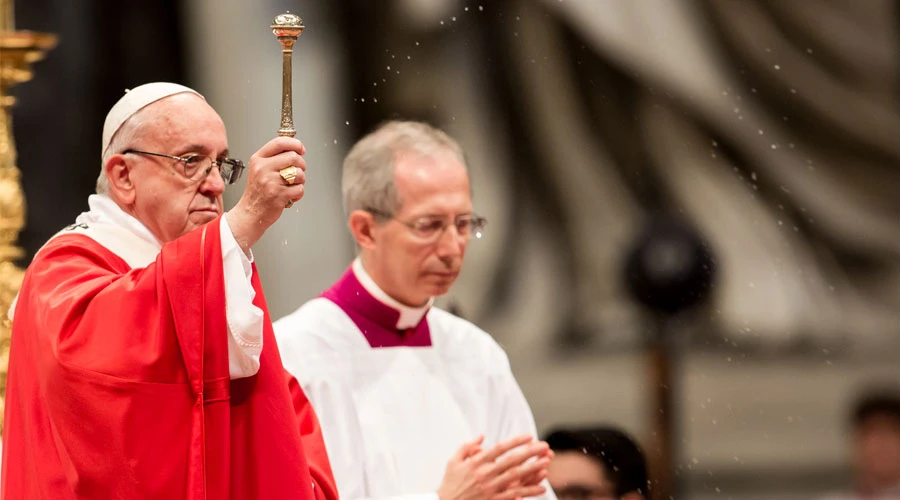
{"x": 769, "y": 126}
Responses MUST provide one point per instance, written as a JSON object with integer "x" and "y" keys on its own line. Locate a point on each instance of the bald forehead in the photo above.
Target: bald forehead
{"x": 179, "y": 115}
{"x": 410, "y": 161}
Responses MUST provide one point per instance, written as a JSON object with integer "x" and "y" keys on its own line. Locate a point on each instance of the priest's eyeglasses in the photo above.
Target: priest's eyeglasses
{"x": 584, "y": 492}
{"x": 430, "y": 228}
{"x": 197, "y": 166}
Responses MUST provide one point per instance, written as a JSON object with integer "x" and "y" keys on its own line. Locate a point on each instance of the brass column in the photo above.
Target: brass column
{"x": 18, "y": 50}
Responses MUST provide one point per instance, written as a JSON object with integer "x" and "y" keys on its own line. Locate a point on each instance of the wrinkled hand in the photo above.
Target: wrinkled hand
{"x": 510, "y": 470}
{"x": 267, "y": 193}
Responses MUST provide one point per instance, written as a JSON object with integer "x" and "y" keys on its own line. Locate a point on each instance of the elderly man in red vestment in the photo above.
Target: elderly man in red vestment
{"x": 143, "y": 363}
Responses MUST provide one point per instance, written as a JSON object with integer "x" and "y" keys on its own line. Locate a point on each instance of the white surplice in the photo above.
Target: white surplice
{"x": 393, "y": 416}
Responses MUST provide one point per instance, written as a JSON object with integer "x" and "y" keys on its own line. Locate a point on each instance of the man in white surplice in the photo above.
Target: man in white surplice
{"x": 412, "y": 400}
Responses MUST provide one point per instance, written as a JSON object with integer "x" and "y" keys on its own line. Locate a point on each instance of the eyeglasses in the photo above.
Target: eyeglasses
{"x": 432, "y": 227}
{"x": 197, "y": 166}
{"x": 583, "y": 492}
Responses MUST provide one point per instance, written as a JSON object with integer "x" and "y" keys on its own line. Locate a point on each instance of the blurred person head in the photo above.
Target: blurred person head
{"x": 875, "y": 422}
{"x": 599, "y": 463}
{"x": 408, "y": 199}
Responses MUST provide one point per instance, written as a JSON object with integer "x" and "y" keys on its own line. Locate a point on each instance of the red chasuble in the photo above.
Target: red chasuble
{"x": 119, "y": 386}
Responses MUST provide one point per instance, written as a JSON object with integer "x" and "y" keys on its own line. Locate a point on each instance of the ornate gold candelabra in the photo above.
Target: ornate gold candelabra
{"x": 18, "y": 51}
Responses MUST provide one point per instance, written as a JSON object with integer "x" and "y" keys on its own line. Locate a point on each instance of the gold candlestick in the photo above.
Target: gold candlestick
{"x": 18, "y": 51}
{"x": 287, "y": 27}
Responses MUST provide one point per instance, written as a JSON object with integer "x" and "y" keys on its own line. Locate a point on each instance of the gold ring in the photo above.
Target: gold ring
{"x": 289, "y": 174}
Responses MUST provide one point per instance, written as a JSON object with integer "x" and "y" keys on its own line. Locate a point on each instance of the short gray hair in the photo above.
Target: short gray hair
{"x": 128, "y": 133}
{"x": 368, "y": 175}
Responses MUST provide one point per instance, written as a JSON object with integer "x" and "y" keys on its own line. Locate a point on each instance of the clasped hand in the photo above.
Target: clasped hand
{"x": 511, "y": 470}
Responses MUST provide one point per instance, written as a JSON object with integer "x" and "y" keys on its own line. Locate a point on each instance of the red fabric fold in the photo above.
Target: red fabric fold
{"x": 119, "y": 387}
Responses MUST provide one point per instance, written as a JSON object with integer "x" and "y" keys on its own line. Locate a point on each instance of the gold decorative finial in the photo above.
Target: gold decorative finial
{"x": 287, "y": 28}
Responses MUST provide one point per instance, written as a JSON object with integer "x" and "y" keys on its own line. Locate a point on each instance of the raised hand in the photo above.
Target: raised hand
{"x": 267, "y": 192}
